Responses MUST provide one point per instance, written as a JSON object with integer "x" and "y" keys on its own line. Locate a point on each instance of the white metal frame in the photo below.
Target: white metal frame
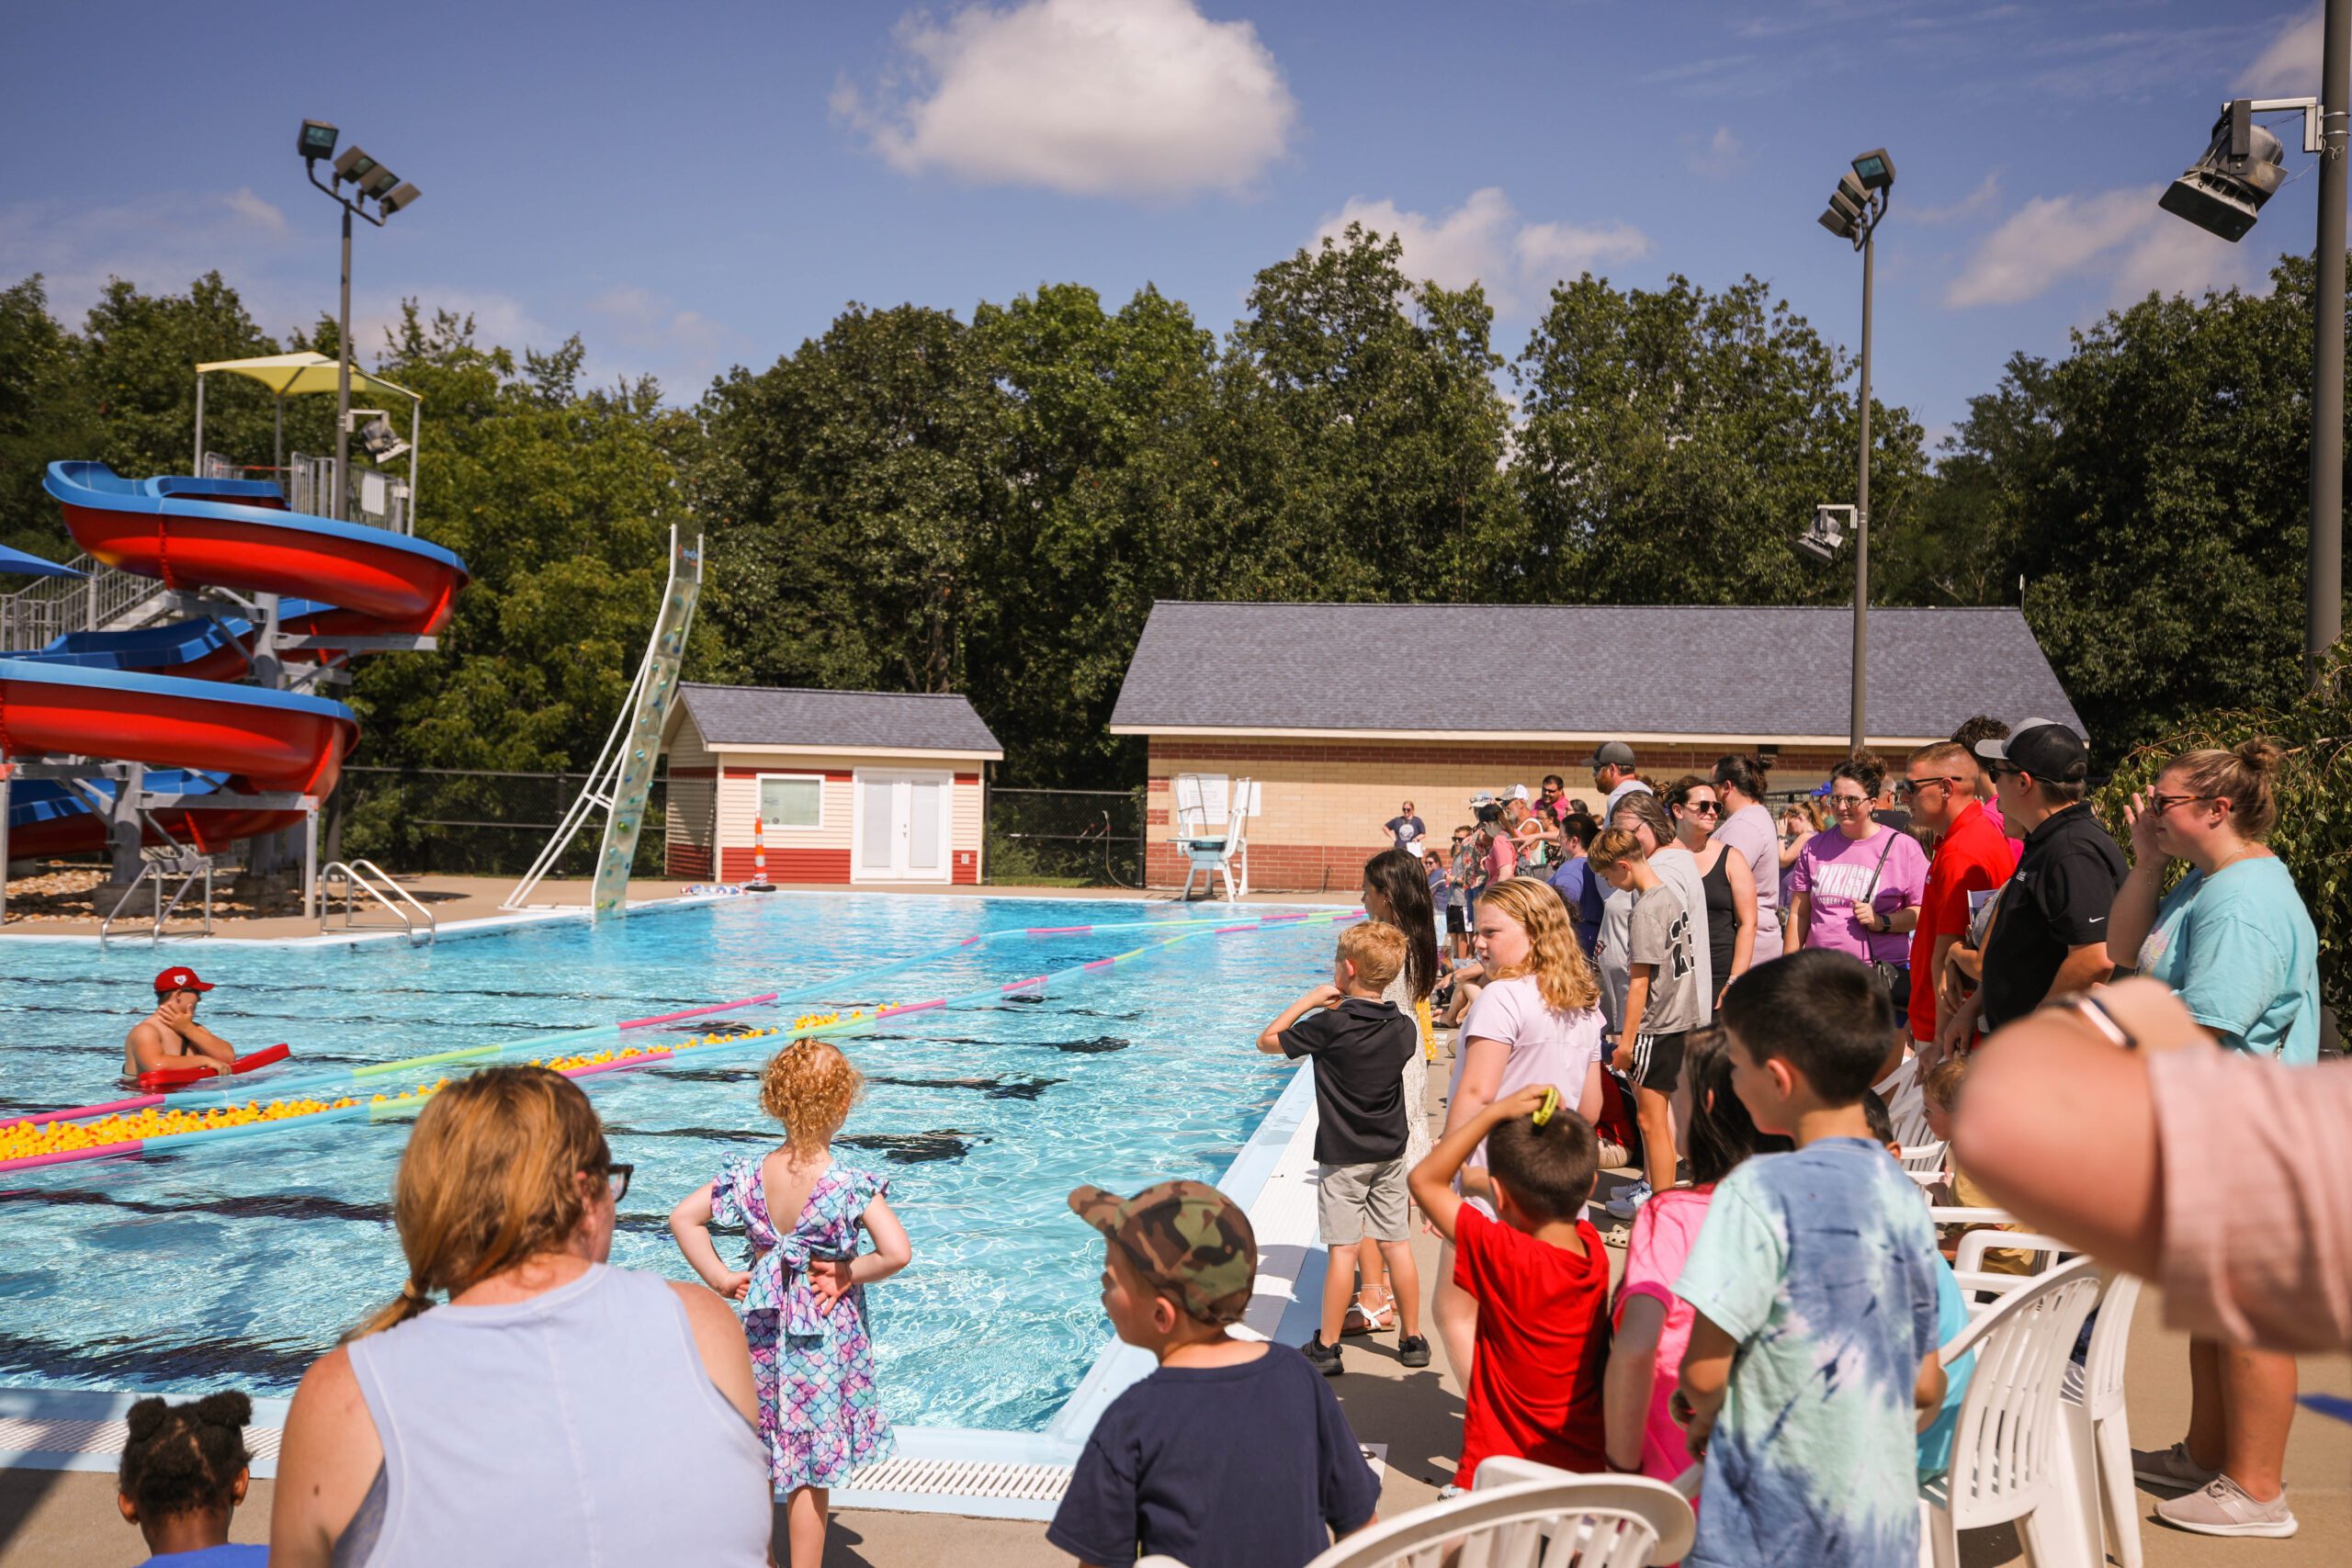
{"x": 759, "y": 813}
{"x": 858, "y": 779}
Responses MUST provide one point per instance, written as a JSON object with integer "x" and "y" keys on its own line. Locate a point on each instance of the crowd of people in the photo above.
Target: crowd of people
{"x": 1678, "y": 983}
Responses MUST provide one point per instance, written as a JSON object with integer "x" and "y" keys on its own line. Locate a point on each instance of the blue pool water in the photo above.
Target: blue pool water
{"x": 236, "y": 1265}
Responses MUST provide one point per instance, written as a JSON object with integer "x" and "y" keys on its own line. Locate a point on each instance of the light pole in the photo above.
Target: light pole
{"x": 370, "y": 181}
{"x": 1855, "y": 209}
{"x": 2220, "y": 193}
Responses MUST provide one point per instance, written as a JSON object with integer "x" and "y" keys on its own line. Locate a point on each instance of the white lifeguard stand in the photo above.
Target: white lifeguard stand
{"x": 1212, "y": 822}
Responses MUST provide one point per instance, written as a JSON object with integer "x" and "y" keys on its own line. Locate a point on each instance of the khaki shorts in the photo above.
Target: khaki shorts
{"x": 1353, "y": 1201}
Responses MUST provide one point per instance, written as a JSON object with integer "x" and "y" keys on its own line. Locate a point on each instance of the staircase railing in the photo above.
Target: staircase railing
{"x": 189, "y": 869}
{"x": 366, "y": 876}
{"x": 104, "y": 599}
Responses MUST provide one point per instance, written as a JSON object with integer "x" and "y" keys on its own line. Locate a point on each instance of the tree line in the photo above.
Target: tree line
{"x": 914, "y": 501}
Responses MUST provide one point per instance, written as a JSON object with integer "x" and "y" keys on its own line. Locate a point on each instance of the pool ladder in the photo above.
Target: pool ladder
{"x": 189, "y": 869}
{"x": 365, "y": 876}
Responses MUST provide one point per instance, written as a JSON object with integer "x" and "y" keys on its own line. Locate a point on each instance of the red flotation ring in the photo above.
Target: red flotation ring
{"x": 160, "y": 1080}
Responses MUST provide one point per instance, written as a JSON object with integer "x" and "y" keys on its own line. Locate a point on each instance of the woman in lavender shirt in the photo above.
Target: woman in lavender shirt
{"x": 1856, "y": 887}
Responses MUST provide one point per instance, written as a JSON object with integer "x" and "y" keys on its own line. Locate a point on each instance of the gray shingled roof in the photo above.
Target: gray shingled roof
{"x": 1730, "y": 671}
{"x": 792, "y": 716}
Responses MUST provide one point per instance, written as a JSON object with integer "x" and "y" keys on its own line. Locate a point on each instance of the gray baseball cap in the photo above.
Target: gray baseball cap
{"x": 1611, "y": 752}
{"x": 2043, "y": 748}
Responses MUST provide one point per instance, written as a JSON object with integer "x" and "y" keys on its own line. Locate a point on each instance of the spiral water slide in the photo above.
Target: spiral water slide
{"x": 158, "y": 695}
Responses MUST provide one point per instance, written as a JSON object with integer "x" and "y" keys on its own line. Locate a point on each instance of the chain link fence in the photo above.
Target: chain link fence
{"x": 1066, "y": 838}
{"x": 462, "y": 821}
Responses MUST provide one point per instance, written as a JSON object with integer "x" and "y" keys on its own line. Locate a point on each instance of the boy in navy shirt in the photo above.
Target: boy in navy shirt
{"x": 1234, "y": 1453}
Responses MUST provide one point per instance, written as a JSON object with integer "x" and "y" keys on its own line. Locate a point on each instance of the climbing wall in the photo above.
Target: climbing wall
{"x": 656, "y": 689}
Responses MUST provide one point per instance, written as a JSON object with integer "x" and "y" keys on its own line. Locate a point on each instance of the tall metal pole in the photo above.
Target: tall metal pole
{"x": 2323, "y": 609}
{"x": 1863, "y": 504}
{"x": 342, "y": 381}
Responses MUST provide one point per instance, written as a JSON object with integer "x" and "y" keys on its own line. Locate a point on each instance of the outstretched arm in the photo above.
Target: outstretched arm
{"x": 1432, "y": 1181}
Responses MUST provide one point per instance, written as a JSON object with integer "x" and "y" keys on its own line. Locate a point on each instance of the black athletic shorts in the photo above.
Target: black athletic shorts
{"x": 1457, "y": 920}
{"x": 1658, "y": 1061}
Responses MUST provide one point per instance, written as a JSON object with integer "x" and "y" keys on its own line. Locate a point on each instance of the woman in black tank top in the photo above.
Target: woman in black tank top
{"x": 1725, "y": 879}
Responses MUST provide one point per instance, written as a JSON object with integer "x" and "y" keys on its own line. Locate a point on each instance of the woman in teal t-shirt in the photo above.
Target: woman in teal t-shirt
{"x": 2235, "y": 941}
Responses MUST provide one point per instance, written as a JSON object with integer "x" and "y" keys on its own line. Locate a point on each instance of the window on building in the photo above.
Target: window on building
{"x": 792, "y": 800}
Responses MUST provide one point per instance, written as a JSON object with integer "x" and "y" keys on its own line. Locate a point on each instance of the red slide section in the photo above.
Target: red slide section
{"x": 275, "y": 740}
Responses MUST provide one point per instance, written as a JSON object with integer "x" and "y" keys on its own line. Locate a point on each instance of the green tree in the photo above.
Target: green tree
{"x": 2151, "y": 488}
{"x": 1677, "y": 442}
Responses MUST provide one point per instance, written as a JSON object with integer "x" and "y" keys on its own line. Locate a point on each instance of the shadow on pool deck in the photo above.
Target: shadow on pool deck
{"x": 49, "y": 1519}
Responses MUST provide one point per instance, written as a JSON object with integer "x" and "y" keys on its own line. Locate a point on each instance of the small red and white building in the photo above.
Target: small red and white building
{"x": 846, "y": 787}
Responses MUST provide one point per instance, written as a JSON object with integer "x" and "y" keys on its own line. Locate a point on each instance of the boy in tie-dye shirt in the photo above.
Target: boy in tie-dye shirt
{"x": 1811, "y": 1364}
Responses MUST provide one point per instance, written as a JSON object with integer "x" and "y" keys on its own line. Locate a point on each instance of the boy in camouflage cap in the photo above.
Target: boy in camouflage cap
{"x": 1233, "y": 1454}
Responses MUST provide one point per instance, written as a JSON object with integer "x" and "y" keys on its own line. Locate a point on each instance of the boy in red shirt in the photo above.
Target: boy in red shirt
{"x": 1540, "y": 1275}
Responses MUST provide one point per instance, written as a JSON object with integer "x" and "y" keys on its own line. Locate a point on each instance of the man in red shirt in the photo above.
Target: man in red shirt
{"x": 1973, "y": 856}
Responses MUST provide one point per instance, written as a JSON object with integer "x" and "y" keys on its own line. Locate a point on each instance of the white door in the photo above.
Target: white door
{"x": 901, "y": 828}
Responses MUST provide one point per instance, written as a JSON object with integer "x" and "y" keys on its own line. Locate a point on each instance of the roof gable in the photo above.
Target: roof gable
{"x": 1738, "y": 671}
{"x": 792, "y": 716}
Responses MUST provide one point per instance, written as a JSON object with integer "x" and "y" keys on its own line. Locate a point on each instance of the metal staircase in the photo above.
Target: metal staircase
{"x": 623, "y": 777}
{"x": 103, "y": 600}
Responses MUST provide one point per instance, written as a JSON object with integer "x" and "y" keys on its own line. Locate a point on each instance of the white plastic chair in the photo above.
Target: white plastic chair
{"x": 1550, "y": 1520}
{"x": 2012, "y": 1459}
{"x": 2100, "y": 1427}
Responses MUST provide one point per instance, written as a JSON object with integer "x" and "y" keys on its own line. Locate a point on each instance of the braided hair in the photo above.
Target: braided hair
{"x": 185, "y": 1459}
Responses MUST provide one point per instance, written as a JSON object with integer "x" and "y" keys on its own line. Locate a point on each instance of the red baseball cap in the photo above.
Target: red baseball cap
{"x": 179, "y": 980}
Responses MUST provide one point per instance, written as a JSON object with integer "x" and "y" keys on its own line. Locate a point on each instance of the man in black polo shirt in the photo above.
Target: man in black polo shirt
{"x": 2050, "y": 933}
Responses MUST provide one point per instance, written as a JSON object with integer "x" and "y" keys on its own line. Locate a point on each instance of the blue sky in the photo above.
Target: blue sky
{"x": 692, "y": 186}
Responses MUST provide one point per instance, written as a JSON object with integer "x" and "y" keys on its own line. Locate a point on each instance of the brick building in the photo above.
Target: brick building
{"x": 848, "y": 787}
{"x": 1342, "y": 711}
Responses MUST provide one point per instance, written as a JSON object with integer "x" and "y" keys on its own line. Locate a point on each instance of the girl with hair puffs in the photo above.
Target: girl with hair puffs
{"x": 804, "y": 1294}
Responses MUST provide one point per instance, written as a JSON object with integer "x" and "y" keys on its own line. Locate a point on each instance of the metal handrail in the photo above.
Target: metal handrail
{"x": 188, "y": 870}
{"x": 366, "y": 876}
{"x": 97, "y": 601}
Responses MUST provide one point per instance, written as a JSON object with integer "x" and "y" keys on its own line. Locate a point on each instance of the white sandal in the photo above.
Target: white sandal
{"x": 1374, "y": 1320}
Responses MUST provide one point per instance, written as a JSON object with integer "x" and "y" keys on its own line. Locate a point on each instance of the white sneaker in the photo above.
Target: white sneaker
{"x": 2171, "y": 1467}
{"x": 2223, "y": 1508}
{"x": 1628, "y": 1202}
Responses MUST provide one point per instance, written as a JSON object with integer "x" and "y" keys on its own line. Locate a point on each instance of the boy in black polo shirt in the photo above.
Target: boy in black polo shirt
{"x": 1360, "y": 1045}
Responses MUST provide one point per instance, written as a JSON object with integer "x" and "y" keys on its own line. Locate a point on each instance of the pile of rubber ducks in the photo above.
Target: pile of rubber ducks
{"x": 637, "y": 1053}
{"x": 20, "y": 1139}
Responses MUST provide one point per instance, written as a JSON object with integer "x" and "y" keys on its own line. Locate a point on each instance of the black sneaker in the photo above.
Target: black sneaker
{"x": 1324, "y": 1359}
{"x": 1413, "y": 1350}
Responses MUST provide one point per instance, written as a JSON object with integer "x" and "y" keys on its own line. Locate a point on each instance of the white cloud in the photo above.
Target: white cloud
{"x": 1720, "y": 157}
{"x": 2290, "y": 63}
{"x": 1975, "y": 204}
{"x": 262, "y": 214}
{"x": 1142, "y": 98}
{"x": 2119, "y": 235}
{"x": 642, "y": 319}
{"x": 160, "y": 243}
{"x": 1484, "y": 241}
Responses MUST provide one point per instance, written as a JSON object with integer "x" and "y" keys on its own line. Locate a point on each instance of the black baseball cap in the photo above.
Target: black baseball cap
{"x": 2043, "y": 748}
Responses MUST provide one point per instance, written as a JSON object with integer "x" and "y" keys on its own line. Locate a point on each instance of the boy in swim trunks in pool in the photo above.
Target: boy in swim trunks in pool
{"x": 170, "y": 1036}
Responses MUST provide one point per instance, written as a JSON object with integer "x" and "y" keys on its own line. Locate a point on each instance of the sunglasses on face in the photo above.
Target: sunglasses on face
{"x": 1847, "y": 802}
{"x": 2160, "y": 803}
{"x": 1703, "y": 808}
{"x": 1909, "y": 788}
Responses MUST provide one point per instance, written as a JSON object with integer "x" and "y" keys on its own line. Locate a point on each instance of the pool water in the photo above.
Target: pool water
{"x": 237, "y": 1264}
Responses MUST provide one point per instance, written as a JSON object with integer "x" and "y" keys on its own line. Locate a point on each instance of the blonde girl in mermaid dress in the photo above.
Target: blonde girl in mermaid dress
{"x": 804, "y": 1295}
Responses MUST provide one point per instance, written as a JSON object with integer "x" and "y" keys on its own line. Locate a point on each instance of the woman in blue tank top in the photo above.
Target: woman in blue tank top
{"x": 555, "y": 1410}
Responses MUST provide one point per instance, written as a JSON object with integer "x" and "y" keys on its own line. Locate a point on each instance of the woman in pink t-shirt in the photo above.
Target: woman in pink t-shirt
{"x": 1653, "y": 1324}
{"x": 1538, "y": 1021}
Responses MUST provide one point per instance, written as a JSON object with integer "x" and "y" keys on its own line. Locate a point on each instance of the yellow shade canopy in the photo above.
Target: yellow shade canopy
{"x": 293, "y": 375}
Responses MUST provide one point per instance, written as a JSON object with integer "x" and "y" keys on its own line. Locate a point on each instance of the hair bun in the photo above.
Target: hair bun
{"x": 229, "y": 1408}
{"x": 2261, "y": 753}
{"x": 146, "y": 1419}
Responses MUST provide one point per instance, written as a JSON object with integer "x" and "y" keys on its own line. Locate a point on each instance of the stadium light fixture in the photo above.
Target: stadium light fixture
{"x": 1856, "y": 209}
{"x": 317, "y": 140}
{"x": 370, "y": 181}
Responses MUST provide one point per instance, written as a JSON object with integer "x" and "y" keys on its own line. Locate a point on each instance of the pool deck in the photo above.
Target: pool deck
{"x": 60, "y": 1516}
{"x": 472, "y": 902}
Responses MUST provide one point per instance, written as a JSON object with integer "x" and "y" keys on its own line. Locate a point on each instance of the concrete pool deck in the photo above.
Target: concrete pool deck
{"x": 61, "y": 1517}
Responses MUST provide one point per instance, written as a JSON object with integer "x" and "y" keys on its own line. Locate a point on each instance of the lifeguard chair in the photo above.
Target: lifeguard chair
{"x": 1212, "y": 817}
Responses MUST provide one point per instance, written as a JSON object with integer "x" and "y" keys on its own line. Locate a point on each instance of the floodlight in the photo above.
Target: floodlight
{"x": 1850, "y": 186}
{"x": 377, "y": 181}
{"x": 317, "y": 140}
{"x": 1838, "y": 223}
{"x": 2222, "y": 191}
{"x": 352, "y": 164}
{"x": 392, "y": 200}
{"x": 1825, "y": 533}
{"x": 381, "y": 441}
{"x": 1875, "y": 169}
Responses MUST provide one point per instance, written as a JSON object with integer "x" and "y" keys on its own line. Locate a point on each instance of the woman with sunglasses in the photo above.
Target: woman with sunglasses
{"x": 1723, "y": 877}
{"x": 2234, "y": 941}
{"x": 472, "y": 1431}
{"x": 1856, "y": 887}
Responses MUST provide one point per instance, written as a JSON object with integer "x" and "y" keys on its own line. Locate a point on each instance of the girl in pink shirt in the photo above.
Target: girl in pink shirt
{"x": 1653, "y": 1324}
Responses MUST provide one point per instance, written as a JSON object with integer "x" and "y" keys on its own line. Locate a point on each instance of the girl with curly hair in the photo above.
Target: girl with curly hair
{"x": 804, "y": 1294}
{"x": 1536, "y": 1021}
{"x": 184, "y": 1473}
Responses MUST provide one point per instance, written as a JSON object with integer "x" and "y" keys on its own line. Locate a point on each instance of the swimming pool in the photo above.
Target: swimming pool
{"x": 236, "y": 1265}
